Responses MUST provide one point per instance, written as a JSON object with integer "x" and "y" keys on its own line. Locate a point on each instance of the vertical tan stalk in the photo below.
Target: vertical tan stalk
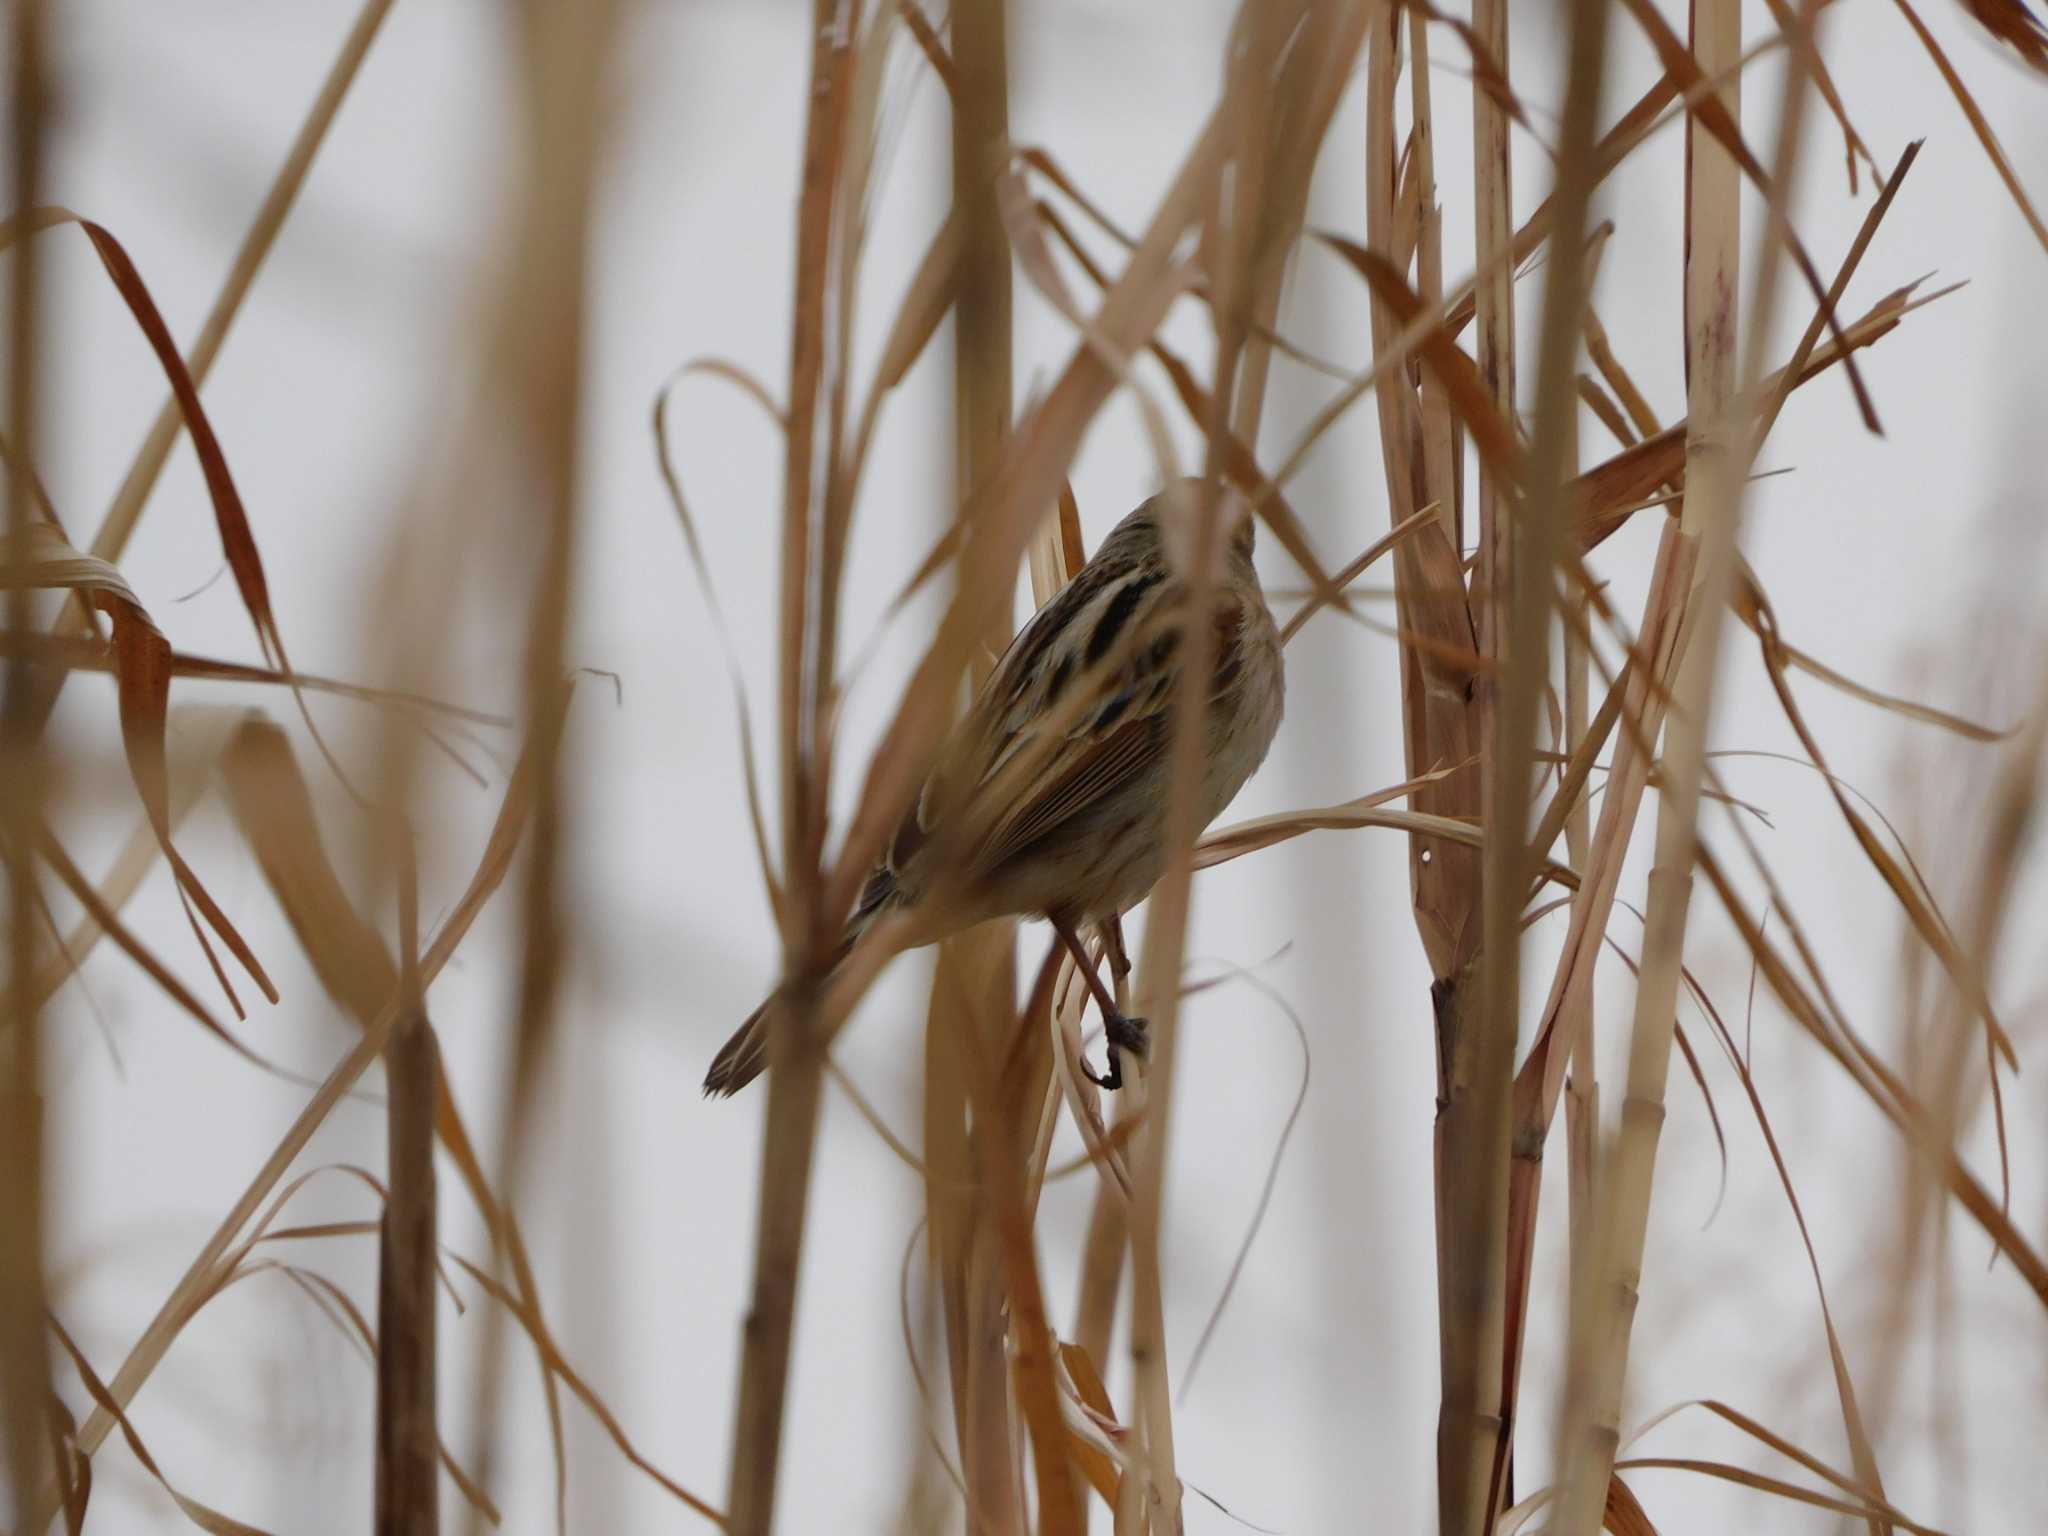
{"x": 974, "y": 985}
{"x": 1474, "y": 1465}
{"x": 1719, "y": 446}
{"x": 1493, "y": 233}
{"x": 540, "y": 350}
{"x": 796, "y": 1047}
{"x": 1230, "y": 242}
{"x": 408, "y": 1442}
{"x": 24, "y": 1356}
{"x": 1582, "y": 1085}
{"x": 1475, "y": 1041}
{"x": 1436, "y": 427}
{"x": 1318, "y": 68}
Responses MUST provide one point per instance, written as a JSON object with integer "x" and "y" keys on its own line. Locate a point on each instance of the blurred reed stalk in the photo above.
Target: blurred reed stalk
{"x": 974, "y": 984}
{"x": 796, "y": 1046}
{"x": 26, "y": 1392}
{"x": 536, "y": 352}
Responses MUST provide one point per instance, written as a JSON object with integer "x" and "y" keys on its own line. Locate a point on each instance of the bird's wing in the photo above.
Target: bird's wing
{"x": 1084, "y": 771}
{"x": 1120, "y": 738}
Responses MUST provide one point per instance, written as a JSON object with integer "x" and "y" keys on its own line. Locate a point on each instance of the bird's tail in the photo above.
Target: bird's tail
{"x": 743, "y": 1057}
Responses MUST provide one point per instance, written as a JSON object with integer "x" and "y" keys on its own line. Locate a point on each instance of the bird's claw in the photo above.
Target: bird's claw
{"x": 1125, "y": 1034}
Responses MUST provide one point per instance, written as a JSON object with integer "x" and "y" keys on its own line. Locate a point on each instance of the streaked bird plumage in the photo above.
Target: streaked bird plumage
{"x": 1048, "y": 798}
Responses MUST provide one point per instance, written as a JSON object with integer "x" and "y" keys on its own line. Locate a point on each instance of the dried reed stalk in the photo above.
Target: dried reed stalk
{"x": 1231, "y": 246}
{"x": 974, "y": 984}
{"x": 25, "y": 1384}
{"x": 1441, "y": 726}
{"x": 1534, "y": 552}
{"x": 796, "y": 1044}
{"x": 408, "y": 1440}
{"x": 1718, "y": 454}
{"x": 537, "y": 348}
{"x": 1316, "y": 70}
{"x": 1511, "y": 586}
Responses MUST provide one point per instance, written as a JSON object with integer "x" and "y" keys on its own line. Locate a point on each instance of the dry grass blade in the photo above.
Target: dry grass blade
{"x": 1258, "y": 1218}
{"x": 929, "y": 43}
{"x": 1709, "y": 113}
{"x": 1641, "y": 417}
{"x": 126, "y": 510}
{"x": 540, "y": 335}
{"x": 1791, "y": 657}
{"x": 1778, "y": 1443}
{"x": 238, "y": 543}
{"x": 1878, "y": 1082}
{"x": 105, "y": 919}
{"x": 1610, "y": 491}
{"x": 83, "y": 654}
{"x": 1918, "y": 904}
{"x": 1082, "y": 1388}
{"x": 1979, "y": 124}
{"x": 999, "y": 1139}
{"x": 142, "y": 669}
{"x": 796, "y": 1041}
{"x": 559, "y": 1367}
{"x": 1240, "y": 464}
{"x": 340, "y": 1309}
{"x": 1478, "y": 1202}
{"x": 1490, "y": 430}
{"x": 1316, "y": 601}
{"x": 709, "y": 588}
{"x": 930, "y": 295}
{"x": 1823, "y": 81}
{"x": 1241, "y": 838}
{"x": 1845, "y": 1389}
{"x": 199, "y": 1277}
{"x": 1877, "y": 1513}
{"x": 74, "y": 1471}
{"x": 207, "y": 1519}
{"x": 1624, "y": 1514}
{"x": 1005, "y": 511}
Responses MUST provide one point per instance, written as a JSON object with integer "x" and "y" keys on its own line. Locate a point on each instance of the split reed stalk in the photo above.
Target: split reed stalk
{"x": 1534, "y": 551}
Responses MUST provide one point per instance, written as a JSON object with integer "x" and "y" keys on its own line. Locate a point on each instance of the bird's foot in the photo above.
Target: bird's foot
{"x": 1125, "y": 1034}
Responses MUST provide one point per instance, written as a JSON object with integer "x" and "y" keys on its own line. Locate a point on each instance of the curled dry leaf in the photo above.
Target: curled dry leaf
{"x": 238, "y": 543}
{"x": 142, "y": 665}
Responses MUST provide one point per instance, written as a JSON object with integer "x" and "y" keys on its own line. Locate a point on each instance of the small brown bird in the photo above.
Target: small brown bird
{"x": 1049, "y": 797}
